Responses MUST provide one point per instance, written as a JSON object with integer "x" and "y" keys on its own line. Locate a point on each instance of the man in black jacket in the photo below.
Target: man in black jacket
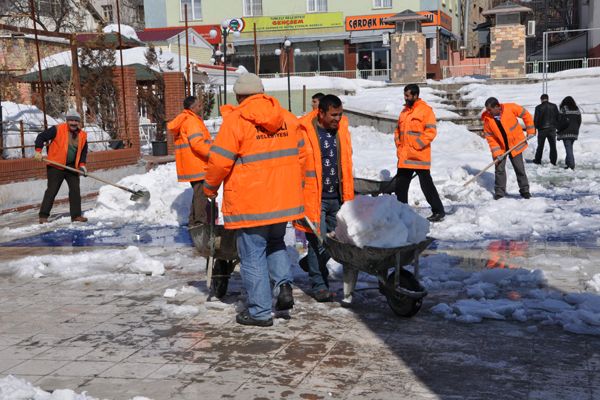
{"x": 545, "y": 120}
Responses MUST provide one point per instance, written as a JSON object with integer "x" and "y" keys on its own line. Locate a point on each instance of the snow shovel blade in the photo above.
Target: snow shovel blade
{"x": 141, "y": 196}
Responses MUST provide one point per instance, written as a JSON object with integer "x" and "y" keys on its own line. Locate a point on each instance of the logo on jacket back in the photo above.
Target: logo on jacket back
{"x": 265, "y": 134}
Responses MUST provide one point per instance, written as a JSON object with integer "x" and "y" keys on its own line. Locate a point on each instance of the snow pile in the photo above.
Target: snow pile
{"x": 169, "y": 200}
{"x": 509, "y": 294}
{"x": 13, "y": 388}
{"x": 177, "y": 311}
{"x": 126, "y": 30}
{"x": 320, "y": 82}
{"x": 87, "y": 264}
{"x": 594, "y": 283}
{"x": 380, "y": 222}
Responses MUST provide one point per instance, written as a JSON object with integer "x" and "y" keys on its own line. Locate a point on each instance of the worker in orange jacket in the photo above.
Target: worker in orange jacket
{"x": 414, "y": 134}
{"x": 259, "y": 154}
{"x": 503, "y": 132}
{"x": 192, "y": 143}
{"x": 328, "y": 182}
{"x": 67, "y": 146}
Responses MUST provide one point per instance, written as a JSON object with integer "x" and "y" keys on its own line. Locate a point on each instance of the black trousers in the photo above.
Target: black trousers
{"x": 542, "y": 136}
{"x": 403, "y": 178}
{"x": 55, "y": 179}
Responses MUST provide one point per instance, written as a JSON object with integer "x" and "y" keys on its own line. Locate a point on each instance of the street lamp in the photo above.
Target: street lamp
{"x": 225, "y": 30}
{"x": 287, "y": 45}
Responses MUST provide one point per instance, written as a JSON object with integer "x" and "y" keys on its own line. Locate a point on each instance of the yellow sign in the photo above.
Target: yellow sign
{"x": 296, "y": 21}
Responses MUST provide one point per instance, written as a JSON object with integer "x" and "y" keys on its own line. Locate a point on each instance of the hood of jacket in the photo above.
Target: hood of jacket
{"x": 264, "y": 111}
{"x": 176, "y": 124}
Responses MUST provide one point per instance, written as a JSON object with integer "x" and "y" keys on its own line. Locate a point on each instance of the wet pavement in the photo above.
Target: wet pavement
{"x": 114, "y": 339}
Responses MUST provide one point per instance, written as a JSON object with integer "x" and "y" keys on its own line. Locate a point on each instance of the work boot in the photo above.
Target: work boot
{"x": 79, "y": 219}
{"x": 285, "y": 299}
{"x": 323, "y": 296}
{"x": 498, "y": 196}
{"x": 526, "y": 195}
{"x": 43, "y": 220}
{"x": 436, "y": 217}
{"x": 244, "y": 318}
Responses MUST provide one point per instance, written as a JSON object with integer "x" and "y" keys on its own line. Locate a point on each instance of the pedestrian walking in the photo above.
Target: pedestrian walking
{"x": 569, "y": 124}
{"x": 502, "y": 131}
{"x": 545, "y": 119}
{"x": 67, "y": 145}
{"x": 414, "y": 135}
{"x": 192, "y": 144}
{"x": 259, "y": 155}
{"x": 328, "y": 183}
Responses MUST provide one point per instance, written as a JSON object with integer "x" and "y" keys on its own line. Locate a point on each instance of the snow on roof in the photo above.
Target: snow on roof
{"x": 126, "y": 30}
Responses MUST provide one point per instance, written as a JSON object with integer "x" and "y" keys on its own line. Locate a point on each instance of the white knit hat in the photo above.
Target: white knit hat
{"x": 73, "y": 115}
{"x": 248, "y": 84}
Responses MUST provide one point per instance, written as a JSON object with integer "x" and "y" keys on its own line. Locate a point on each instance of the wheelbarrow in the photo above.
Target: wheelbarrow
{"x": 218, "y": 246}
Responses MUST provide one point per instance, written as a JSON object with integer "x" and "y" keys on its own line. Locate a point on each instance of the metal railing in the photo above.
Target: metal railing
{"x": 373, "y": 74}
{"x": 473, "y": 70}
{"x": 537, "y": 67}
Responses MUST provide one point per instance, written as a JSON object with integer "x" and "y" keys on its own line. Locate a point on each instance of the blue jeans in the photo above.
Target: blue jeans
{"x": 317, "y": 255}
{"x": 570, "y": 159}
{"x": 263, "y": 258}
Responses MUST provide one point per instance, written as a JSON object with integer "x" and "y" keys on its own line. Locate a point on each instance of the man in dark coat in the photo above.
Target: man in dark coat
{"x": 545, "y": 120}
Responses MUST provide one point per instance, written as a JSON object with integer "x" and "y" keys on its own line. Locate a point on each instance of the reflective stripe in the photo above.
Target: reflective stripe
{"x": 420, "y": 142}
{"x": 221, "y": 151}
{"x": 195, "y": 176}
{"x": 522, "y": 113}
{"x": 487, "y": 134}
{"x": 528, "y": 127}
{"x": 494, "y": 149}
{"x": 301, "y": 143}
{"x": 195, "y": 135}
{"x": 412, "y": 162}
{"x": 208, "y": 141}
{"x": 182, "y": 146}
{"x": 264, "y": 216}
{"x": 519, "y": 147}
{"x": 428, "y": 126}
{"x": 413, "y": 133}
{"x": 269, "y": 155}
{"x": 515, "y": 126}
{"x": 311, "y": 174}
{"x": 210, "y": 187}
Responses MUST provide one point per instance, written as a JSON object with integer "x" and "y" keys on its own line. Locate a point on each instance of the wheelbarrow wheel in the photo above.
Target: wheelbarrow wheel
{"x": 220, "y": 278}
{"x": 403, "y": 305}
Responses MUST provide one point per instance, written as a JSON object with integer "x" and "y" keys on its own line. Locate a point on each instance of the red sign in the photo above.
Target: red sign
{"x": 376, "y": 21}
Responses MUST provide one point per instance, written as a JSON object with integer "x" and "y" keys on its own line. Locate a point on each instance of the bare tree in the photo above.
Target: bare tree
{"x": 51, "y": 15}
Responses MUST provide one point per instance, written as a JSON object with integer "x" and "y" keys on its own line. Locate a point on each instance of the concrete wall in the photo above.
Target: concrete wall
{"x": 155, "y": 13}
{"x": 383, "y": 123}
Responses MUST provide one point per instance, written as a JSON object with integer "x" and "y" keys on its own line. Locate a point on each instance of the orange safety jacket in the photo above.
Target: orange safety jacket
{"x": 192, "y": 144}
{"x": 514, "y": 132}
{"x": 413, "y": 136}
{"x": 259, "y": 154}
{"x": 59, "y": 145}
{"x": 313, "y": 172}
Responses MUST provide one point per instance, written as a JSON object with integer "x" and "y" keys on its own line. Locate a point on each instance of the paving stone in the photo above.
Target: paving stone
{"x": 84, "y": 368}
{"x": 130, "y": 370}
{"x": 35, "y": 367}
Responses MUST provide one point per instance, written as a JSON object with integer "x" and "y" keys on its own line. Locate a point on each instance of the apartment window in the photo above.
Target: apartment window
{"x": 194, "y": 9}
{"x": 382, "y": 3}
{"x": 252, "y": 8}
{"x": 107, "y": 13}
{"x": 46, "y": 7}
{"x": 316, "y": 6}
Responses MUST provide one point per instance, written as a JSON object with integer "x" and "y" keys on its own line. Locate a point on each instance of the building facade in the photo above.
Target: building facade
{"x": 325, "y": 35}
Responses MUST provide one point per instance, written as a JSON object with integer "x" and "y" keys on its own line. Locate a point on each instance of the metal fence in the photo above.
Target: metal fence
{"x": 473, "y": 70}
{"x": 372, "y": 74}
{"x": 537, "y": 67}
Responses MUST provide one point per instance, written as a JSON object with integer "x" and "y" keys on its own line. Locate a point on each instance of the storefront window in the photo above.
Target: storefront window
{"x": 320, "y": 56}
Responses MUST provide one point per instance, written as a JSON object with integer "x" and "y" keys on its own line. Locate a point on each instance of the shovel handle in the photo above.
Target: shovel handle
{"x": 313, "y": 228}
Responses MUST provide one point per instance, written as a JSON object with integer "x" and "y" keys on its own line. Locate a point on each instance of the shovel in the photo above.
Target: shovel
{"x": 454, "y": 196}
{"x": 141, "y": 195}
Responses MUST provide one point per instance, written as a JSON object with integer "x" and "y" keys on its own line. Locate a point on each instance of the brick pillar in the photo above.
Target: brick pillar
{"x": 408, "y": 57}
{"x": 131, "y": 100}
{"x": 174, "y": 96}
{"x": 507, "y": 51}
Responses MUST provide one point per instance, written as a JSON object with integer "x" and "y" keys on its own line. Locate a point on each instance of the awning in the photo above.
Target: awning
{"x": 368, "y": 36}
{"x": 293, "y": 39}
{"x": 431, "y": 32}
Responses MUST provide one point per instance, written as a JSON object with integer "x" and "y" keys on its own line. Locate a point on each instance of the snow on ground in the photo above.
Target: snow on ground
{"x": 13, "y": 388}
{"x": 93, "y": 264}
{"x": 320, "y": 82}
{"x": 379, "y": 222}
{"x": 389, "y": 101}
{"x": 455, "y": 79}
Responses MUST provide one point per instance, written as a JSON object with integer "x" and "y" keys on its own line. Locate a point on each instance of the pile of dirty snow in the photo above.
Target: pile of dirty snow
{"x": 380, "y": 222}
{"x": 87, "y": 264}
{"x": 15, "y": 388}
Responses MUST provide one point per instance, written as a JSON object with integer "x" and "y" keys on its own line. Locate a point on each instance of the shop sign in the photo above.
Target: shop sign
{"x": 436, "y": 18}
{"x": 376, "y": 21}
{"x": 296, "y": 21}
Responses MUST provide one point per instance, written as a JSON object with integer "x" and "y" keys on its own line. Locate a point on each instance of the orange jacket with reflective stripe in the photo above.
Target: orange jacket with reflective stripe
{"x": 514, "y": 132}
{"x": 413, "y": 136}
{"x": 192, "y": 144}
{"x": 59, "y": 146}
{"x": 259, "y": 154}
{"x": 313, "y": 171}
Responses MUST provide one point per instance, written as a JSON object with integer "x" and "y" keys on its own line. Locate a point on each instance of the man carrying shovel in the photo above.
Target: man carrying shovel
{"x": 503, "y": 133}
{"x": 68, "y": 146}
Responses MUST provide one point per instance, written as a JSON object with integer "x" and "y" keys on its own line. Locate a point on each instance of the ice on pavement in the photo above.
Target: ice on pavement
{"x": 379, "y": 222}
{"x": 14, "y": 388}
{"x": 87, "y": 264}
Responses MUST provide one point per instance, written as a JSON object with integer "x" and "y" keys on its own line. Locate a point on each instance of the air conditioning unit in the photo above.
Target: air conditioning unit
{"x": 530, "y": 28}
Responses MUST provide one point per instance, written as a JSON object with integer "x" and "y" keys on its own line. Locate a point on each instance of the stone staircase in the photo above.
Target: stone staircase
{"x": 469, "y": 117}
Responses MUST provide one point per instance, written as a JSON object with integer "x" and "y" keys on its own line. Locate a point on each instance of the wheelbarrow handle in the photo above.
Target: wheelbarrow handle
{"x": 314, "y": 230}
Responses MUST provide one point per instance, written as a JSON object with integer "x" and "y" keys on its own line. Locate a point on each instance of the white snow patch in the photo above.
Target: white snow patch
{"x": 126, "y": 30}
{"x": 320, "y": 82}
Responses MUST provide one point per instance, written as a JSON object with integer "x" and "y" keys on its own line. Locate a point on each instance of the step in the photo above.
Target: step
{"x": 468, "y": 111}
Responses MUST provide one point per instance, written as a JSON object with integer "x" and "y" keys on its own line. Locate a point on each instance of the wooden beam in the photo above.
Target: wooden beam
{"x": 30, "y": 31}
